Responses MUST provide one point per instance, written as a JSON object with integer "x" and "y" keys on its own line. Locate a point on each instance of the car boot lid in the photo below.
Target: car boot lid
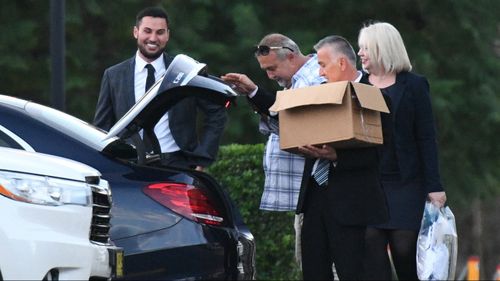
{"x": 183, "y": 72}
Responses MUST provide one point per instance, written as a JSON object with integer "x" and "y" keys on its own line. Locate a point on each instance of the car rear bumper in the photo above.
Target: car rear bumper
{"x": 220, "y": 253}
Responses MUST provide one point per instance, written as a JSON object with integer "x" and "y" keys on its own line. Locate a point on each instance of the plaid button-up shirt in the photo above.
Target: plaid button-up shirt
{"x": 283, "y": 170}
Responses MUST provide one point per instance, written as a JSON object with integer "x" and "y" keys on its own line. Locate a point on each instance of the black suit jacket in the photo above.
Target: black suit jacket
{"x": 117, "y": 96}
{"x": 354, "y": 187}
{"x": 413, "y": 131}
{"x": 262, "y": 101}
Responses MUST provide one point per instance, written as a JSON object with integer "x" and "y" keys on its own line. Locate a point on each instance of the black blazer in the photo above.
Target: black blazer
{"x": 263, "y": 100}
{"x": 117, "y": 96}
{"x": 354, "y": 187}
{"x": 414, "y": 132}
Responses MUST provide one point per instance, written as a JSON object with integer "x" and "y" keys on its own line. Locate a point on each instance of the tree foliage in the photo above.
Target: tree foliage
{"x": 455, "y": 43}
{"x": 239, "y": 170}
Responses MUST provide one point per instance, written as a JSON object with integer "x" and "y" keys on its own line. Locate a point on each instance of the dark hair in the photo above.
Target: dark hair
{"x": 155, "y": 12}
{"x": 339, "y": 44}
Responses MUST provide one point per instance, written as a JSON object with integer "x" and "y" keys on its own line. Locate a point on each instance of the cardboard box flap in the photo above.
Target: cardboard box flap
{"x": 329, "y": 93}
{"x": 370, "y": 97}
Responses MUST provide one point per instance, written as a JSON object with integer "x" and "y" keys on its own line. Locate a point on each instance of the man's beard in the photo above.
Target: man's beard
{"x": 149, "y": 55}
{"x": 282, "y": 82}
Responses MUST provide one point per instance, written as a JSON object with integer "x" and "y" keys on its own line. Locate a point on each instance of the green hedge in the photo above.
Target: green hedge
{"x": 239, "y": 170}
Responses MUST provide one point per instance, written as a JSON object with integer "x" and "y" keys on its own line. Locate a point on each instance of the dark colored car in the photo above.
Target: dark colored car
{"x": 172, "y": 223}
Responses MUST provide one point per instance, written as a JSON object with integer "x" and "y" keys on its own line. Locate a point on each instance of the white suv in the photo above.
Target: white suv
{"x": 54, "y": 220}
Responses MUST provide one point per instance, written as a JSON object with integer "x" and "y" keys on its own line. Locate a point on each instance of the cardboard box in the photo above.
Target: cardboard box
{"x": 344, "y": 114}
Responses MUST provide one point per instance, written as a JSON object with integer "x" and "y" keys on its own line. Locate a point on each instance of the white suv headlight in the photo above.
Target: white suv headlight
{"x": 44, "y": 190}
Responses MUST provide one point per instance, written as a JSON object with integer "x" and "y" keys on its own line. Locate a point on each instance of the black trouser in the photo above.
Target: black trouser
{"x": 325, "y": 241}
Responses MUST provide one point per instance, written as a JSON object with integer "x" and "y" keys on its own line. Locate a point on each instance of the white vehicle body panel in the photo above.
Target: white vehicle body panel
{"x": 38, "y": 238}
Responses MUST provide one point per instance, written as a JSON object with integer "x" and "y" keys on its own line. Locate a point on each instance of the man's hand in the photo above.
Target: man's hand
{"x": 199, "y": 168}
{"x": 240, "y": 83}
{"x": 324, "y": 151}
{"x": 437, "y": 198}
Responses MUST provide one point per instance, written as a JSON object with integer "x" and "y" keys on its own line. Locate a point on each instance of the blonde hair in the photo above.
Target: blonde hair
{"x": 385, "y": 47}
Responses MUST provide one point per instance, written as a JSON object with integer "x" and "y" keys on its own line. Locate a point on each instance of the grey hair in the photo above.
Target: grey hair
{"x": 280, "y": 40}
{"x": 339, "y": 45}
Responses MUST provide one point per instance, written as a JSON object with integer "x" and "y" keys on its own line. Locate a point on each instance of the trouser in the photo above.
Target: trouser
{"x": 325, "y": 241}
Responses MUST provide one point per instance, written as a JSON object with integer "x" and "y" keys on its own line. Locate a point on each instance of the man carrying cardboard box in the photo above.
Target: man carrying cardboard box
{"x": 282, "y": 60}
{"x": 338, "y": 207}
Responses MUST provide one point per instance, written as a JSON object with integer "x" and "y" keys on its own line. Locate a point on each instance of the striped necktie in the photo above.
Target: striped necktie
{"x": 321, "y": 172}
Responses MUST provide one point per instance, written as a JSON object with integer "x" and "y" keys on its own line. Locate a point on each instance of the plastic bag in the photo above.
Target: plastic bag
{"x": 437, "y": 244}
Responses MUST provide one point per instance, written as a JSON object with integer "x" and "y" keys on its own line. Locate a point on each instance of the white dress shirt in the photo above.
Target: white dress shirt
{"x": 162, "y": 129}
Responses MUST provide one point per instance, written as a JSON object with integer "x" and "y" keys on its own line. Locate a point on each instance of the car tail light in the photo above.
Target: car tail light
{"x": 187, "y": 200}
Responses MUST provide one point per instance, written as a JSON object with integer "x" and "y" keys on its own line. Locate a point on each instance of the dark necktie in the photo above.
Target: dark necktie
{"x": 149, "y": 82}
{"x": 321, "y": 172}
{"x": 151, "y": 76}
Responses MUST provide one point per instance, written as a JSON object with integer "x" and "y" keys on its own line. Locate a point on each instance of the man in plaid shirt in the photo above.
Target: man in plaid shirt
{"x": 283, "y": 62}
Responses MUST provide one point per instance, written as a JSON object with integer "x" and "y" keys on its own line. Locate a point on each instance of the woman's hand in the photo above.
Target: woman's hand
{"x": 437, "y": 198}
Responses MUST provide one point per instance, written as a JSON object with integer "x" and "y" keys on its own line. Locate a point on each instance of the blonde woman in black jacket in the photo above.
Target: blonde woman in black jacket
{"x": 409, "y": 156}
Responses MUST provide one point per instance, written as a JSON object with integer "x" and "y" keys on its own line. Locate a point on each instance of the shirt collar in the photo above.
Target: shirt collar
{"x": 360, "y": 75}
{"x": 305, "y": 66}
{"x": 140, "y": 63}
{"x": 308, "y": 70}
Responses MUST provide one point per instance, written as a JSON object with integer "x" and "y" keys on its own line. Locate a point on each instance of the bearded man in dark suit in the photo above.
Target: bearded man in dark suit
{"x": 125, "y": 83}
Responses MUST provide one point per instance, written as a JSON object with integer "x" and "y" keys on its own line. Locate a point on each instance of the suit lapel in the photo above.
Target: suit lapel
{"x": 167, "y": 60}
{"x": 130, "y": 84}
{"x": 308, "y": 166}
{"x": 128, "y": 91}
{"x": 400, "y": 88}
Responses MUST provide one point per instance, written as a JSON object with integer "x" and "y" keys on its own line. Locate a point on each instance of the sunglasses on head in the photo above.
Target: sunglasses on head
{"x": 263, "y": 50}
